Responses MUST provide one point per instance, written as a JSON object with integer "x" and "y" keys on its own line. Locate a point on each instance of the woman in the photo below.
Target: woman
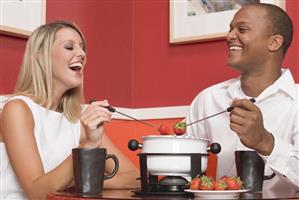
{"x": 43, "y": 121}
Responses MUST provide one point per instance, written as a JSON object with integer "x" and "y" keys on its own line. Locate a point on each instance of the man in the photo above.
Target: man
{"x": 259, "y": 37}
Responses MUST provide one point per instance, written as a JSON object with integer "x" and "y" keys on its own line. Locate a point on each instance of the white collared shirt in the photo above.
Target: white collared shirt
{"x": 280, "y": 108}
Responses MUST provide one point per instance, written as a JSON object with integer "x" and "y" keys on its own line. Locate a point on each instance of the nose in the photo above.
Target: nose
{"x": 80, "y": 52}
{"x": 231, "y": 35}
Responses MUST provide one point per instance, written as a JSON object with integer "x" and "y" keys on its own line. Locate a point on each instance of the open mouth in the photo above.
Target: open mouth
{"x": 78, "y": 66}
{"x": 235, "y": 48}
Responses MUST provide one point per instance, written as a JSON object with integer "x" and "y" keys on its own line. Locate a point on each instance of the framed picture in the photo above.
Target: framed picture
{"x": 21, "y": 17}
{"x": 202, "y": 20}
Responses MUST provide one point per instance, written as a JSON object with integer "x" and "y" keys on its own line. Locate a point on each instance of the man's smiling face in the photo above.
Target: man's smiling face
{"x": 248, "y": 38}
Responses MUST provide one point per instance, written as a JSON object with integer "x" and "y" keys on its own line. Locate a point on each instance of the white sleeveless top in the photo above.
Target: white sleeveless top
{"x": 55, "y": 137}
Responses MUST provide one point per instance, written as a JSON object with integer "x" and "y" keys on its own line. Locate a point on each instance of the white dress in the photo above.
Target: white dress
{"x": 55, "y": 137}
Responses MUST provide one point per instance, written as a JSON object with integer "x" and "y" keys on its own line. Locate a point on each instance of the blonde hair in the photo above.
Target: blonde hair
{"x": 36, "y": 78}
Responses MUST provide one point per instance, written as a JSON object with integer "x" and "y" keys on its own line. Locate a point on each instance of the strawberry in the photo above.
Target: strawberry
{"x": 234, "y": 183}
{"x": 195, "y": 183}
{"x": 207, "y": 183}
{"x": 179, "y": 128}
{"x": 223, "y": 178}
{"x": 220, "y": 185}
{"x": 163, "y": 130}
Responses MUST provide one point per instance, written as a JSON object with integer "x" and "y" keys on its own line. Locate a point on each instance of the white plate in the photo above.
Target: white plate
{"x": 216, "y": 194}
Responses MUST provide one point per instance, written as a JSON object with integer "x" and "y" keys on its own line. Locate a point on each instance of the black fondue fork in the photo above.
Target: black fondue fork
{"x": 229, "y": 109}
{"x": 111, "y": 109}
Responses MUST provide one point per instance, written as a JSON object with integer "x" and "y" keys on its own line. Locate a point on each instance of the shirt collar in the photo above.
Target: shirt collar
{"x": 233, "y": 90}
{"x": 284, "y": 83}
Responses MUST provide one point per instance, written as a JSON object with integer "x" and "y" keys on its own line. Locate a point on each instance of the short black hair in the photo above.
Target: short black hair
{"x": 279, "y": 23}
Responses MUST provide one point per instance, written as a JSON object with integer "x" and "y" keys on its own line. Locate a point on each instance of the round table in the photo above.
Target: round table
{"x": 128, "y": 194}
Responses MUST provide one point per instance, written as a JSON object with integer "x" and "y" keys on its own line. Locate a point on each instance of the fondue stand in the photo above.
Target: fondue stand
{"x": 159, "y": 183}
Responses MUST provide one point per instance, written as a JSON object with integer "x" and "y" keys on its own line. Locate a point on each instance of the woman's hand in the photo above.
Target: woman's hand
{"x": 92, "y": 119}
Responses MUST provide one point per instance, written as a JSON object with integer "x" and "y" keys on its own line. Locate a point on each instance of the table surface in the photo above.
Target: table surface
{"x": 127, "y": 194}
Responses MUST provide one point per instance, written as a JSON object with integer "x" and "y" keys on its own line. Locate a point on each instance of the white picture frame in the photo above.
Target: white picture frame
{"x": 20, "y": 17}
{"x": 187, "y": 27}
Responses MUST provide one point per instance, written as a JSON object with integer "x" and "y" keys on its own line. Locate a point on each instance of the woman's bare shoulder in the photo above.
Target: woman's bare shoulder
{"x": 16, "y": 112}
{"x": 15, "y": 106}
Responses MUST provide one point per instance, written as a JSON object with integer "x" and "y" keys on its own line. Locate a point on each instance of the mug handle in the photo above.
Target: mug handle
{"x": 269, "y": 176}
{"x": 115, "y": 170}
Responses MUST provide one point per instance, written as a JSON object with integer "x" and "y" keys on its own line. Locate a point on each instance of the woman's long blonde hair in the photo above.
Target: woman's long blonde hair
{"x": 36, "y": 77}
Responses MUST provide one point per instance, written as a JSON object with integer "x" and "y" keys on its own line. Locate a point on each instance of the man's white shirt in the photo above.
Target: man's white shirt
{"x": 280, "y": 108}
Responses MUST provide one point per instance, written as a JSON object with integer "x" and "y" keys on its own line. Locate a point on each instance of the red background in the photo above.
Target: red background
{"x": 130, "y": 61}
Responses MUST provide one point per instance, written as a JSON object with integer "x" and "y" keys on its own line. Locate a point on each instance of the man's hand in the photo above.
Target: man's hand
{"x": 246, "y": 120}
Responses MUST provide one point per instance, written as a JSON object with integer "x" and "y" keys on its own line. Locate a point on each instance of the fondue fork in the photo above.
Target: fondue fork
{"x": 111, "y": 109}
{"x": 227, "y": 110}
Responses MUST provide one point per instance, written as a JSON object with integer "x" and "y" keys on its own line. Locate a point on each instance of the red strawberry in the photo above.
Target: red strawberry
{"x": 234, "y": 183}
{"x": 223, "y": 178}
{"x": 179, "y": 128}
{"x": 220, "y": 185}
{"x": 163, "y": 130}
{"x": 206, "y": 183}
{"x": 195, "y": 183}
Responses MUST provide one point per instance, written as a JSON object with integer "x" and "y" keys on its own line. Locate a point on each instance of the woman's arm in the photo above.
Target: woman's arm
{"x": 128, "y": 173}
{"x": 17, "y": 126}
{"x": 17, "y": 129}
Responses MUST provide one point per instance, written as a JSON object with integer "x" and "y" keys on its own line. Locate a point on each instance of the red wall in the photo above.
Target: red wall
{"x": 173, "y": 74}
{"x": 130, "y": 61}
{"x": 11, "y": 53}
{"x": 107, "y": 26}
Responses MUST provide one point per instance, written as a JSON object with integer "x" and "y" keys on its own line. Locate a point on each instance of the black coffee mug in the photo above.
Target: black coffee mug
{"x": 250, "y": 167}
{"x": 89, "y": 169}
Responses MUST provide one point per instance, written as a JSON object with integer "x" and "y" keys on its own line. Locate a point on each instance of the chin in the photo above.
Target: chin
{"x": 234, "y": 64}
{"x": 75, "y": 85}
{"x": 231, "y": 64}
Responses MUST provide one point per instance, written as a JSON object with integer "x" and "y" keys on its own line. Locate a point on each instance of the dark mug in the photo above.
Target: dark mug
{"x": 89, "y": 169}
{"x": 250, "y": 167}
{"x": 251, "y": 195}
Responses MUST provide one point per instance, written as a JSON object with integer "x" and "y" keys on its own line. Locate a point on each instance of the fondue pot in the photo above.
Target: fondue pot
{"x": 170, "y": 155}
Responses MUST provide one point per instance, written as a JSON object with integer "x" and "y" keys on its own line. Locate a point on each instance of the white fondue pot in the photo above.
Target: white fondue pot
{"x": 172, "y": 164}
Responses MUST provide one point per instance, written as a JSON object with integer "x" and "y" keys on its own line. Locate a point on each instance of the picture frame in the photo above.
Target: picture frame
{"x": 187, "y": 26}
{"x": 20, "y": 17}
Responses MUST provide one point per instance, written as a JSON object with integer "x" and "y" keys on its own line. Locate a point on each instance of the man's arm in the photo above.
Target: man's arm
{"x": 246, "y": 120}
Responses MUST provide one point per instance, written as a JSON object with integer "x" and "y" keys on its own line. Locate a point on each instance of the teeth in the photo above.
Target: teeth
{"x": 78, "y": 64}
{"x": 235, "y": 48}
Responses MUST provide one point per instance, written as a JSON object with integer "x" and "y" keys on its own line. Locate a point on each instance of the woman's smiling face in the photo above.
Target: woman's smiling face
{"x": 68, "y": 59}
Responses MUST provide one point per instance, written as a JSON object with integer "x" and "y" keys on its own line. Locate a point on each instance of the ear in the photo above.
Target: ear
{"x": 275, "y": 42}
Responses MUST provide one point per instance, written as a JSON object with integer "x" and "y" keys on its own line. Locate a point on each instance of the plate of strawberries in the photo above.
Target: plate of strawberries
{"x": 209, "y": 188}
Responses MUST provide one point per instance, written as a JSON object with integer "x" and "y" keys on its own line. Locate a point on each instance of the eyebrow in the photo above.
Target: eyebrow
{"x": 240, "y": 23}
{"x": 72, "y": 41}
